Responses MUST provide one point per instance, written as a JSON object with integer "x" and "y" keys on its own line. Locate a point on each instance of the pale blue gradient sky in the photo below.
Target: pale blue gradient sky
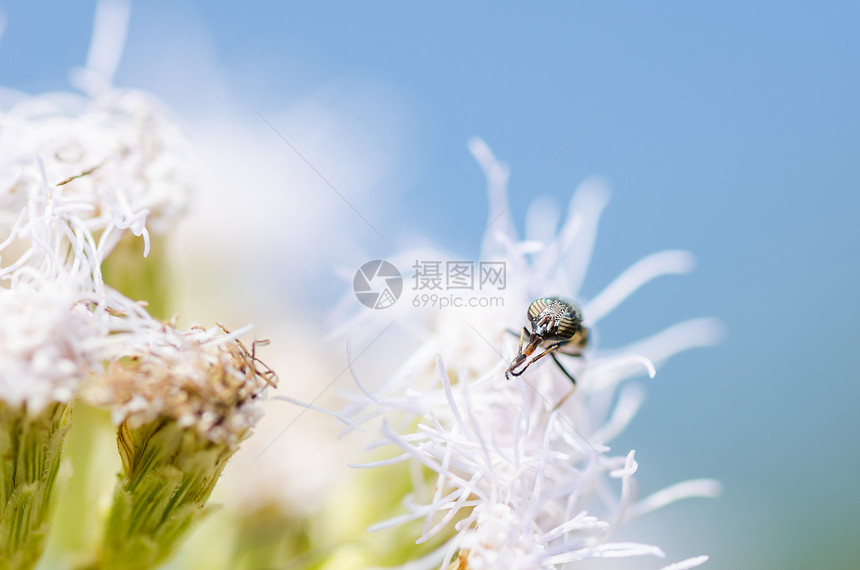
{"x": 727, "y": 129}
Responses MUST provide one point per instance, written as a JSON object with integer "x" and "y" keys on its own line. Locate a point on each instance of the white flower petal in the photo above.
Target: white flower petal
{"x": 641, "y": 272}
{"x": 684, "y": 490}
{"x": 687, "y": 564}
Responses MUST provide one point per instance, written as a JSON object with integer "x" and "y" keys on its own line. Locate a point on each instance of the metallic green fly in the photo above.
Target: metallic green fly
{"x": 556, "y": 327}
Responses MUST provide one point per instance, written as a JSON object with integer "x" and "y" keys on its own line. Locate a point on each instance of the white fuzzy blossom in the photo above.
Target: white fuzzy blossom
{"x": 77, "y": 171}
{"x": 54, "y": 314}
{"x": 80, "y": 177}
{"x": 49, "y": 342}
{"x": 115, "y": 157}
{"x": 524, "y": 473}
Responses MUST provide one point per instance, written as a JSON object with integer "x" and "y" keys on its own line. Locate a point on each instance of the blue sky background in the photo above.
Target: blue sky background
{"x": 728, "y": 129}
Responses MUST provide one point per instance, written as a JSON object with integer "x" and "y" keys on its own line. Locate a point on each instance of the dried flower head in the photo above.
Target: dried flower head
{"x": 202, "y": 379}
{"x": 183, "y": 401}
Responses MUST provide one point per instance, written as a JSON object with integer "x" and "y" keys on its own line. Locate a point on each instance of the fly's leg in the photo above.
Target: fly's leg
{"x": 569, "y": 375}
{"x": 563, "y": 369}
{"x": 519, "y": 358}
{"x": 549, "y": 350}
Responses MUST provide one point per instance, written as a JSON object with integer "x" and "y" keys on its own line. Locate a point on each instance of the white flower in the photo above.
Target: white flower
{"x": 76, "y": 171}
{"x": 115, "y": 158}
{"x": 49, "y": 342}
{"x": 525, "y": 471}
{"x": 108, "y": 159}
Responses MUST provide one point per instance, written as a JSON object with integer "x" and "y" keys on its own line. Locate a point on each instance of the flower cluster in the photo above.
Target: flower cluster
{"x": 88, "y": 183}
{"x": 519, "y": 474}
{"x": 48, "y": 342}
{"x": 77, "y": 175}
{"x": 114, "y": 161}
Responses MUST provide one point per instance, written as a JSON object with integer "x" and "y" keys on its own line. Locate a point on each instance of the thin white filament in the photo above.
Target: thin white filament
{"x": 641, "y": 272}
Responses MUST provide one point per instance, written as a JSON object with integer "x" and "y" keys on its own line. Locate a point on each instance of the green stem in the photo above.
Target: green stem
{"x": 140, "y": 278}
{"x": 168, "y": 474}
{"x": 31, "y": 447}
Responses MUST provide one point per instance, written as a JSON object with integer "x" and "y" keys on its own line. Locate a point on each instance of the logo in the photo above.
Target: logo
{"x": 377, "y": 284}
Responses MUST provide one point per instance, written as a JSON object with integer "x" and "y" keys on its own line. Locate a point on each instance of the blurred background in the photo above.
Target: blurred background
{"x": 730, "y": 130}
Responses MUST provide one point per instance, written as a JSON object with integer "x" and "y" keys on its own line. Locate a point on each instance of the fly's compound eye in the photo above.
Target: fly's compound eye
{"x": 554, "y": 318}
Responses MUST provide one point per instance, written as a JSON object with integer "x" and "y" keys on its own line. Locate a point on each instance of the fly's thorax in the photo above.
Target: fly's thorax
{"x": 578, "y": 342}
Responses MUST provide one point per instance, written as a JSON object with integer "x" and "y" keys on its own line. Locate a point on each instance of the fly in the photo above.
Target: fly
{"x": 556, "y": 327}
